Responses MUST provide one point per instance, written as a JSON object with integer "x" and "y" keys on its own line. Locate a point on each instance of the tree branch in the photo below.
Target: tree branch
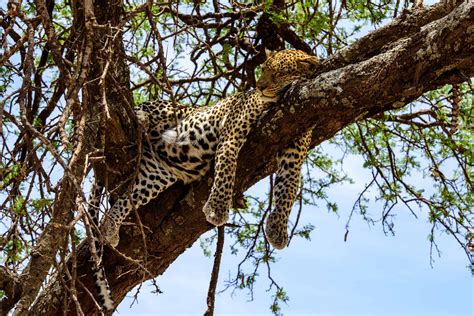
{"x": 211, "y": 294}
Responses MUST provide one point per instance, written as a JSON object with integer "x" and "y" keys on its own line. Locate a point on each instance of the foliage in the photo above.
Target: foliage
{"x": 430, "y": 140}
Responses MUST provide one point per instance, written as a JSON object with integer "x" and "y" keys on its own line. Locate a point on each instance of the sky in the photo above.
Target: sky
{"x": 370, "y": 274}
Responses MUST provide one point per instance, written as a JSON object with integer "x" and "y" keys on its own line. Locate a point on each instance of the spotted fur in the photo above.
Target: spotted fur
{"x": 183, "y": 141}
{"x": 286, "y": 184}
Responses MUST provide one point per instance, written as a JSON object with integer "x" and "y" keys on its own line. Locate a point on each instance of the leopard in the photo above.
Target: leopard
{"x": 182, "y": 142}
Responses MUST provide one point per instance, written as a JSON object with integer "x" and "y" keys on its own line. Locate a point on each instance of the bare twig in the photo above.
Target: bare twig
{"x": 211, "y": 294}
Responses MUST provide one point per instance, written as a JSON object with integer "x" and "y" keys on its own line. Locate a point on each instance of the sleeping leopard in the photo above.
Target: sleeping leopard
{"x": 183, "y": 141}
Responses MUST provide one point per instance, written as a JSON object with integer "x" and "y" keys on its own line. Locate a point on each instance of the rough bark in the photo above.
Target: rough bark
{"x": 385, "y": 72}
{"x": 44, "y": 253}
{"x": 95, "y": 132}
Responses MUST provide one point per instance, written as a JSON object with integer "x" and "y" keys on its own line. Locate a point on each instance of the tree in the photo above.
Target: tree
{"x": 72, "y": 72}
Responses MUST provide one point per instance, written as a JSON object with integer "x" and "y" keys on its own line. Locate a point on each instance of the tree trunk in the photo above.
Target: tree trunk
{"x": 387, "y": 69}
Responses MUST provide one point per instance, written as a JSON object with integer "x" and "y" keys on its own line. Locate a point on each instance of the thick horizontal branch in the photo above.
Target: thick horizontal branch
{"x": 438, "y": 52}
{"x": 377, "y": 41}
{"x": 441, "y": 52}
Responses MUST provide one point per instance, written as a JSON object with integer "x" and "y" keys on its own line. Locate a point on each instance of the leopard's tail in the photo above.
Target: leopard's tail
{"x": 96, "y": 248}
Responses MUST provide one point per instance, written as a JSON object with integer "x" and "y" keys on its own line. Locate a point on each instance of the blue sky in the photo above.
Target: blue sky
{"x": 370, "y": 274}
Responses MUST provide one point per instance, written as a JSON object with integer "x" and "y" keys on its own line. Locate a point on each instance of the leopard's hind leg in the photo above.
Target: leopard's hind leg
{"x": 151, "y": 180}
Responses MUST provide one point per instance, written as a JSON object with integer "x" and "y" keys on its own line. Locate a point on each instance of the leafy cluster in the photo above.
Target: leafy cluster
{"x": 421, "y": 157}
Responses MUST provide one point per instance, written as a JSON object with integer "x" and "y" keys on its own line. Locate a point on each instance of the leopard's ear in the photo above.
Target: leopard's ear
{"x": 269, "y": 53}
{"x": 310, "y": 63}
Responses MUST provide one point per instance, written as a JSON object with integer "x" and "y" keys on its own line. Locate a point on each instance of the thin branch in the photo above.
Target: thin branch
{"x": 211, "y": 294}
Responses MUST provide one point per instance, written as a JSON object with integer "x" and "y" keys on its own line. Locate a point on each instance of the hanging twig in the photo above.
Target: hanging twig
{"x": 211, "y": 294}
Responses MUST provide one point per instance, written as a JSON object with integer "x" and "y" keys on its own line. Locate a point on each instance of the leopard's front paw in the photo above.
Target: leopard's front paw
{"x": 215, "y": 213}
{"x": 276, "y": 231}
{"x": 110, "y": 231}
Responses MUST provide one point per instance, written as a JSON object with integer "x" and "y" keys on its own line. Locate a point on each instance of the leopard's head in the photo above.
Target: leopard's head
{"x": 282, "y": 68}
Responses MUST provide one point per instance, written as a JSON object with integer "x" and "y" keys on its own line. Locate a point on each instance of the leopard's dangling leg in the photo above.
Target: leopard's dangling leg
{"x": 284, "y": 191}
{"x": 96, "y": 249}
{"x": 152, "y": 179}
{"x": 244, "y": 115}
